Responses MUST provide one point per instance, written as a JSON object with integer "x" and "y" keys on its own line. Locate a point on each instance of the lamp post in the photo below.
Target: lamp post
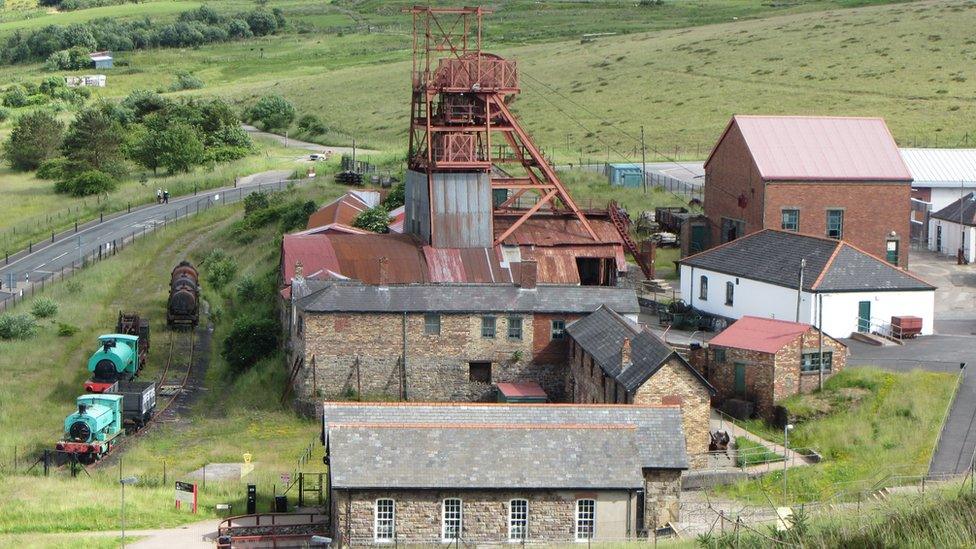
{"x": 122, "y": 483}
{"x": 786, "y": 446}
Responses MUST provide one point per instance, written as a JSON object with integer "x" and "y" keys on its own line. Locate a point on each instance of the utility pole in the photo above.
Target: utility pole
{"x": 786, "y": 447}
{"x": 643, "y": 161}
{"x": 799, "y": 289}
{"x": 820, "y": 334}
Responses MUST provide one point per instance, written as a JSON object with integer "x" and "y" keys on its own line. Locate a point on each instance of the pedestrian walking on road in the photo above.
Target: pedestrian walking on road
{"x": 166, "y": 196}
{"x": 159, "y": 196}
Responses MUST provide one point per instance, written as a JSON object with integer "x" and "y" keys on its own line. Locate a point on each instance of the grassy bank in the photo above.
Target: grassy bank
{"x": 235, "y": 414}
{"x": 867, "y": 423}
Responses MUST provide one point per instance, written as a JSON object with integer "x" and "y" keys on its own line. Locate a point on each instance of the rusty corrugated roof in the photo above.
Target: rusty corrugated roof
{"x": 556, "y": 230}
{"x": 344, "y": 209}
{"x": 480, "y": 265}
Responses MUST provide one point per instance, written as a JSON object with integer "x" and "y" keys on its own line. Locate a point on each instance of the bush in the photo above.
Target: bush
{"x": 66, "y": 330}
{"x": 4, "y": 114}
{"x": 248, "y": 289}
{"x": 15, "y": 96}
{"x": 220, "y": 268}
{"x": 21, "y": 326}
{"x": 87, "y": 183}
{"x": 251, "y": 338}
{"x": 273, "y": 112}
{"x": 254, "y": 202}
{"x": 185, "y": 81}
{"x": 375, "y": 219}
{"x": 44, "y": 307}
{"x": 296, "y": 215}
{"x": 310, "y": 124}
{"x": 52, "y": 169}
{"x": 395, "y": 198}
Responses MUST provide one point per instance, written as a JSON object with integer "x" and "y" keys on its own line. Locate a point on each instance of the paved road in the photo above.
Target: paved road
{"x": 49, "y": 258}
{"x": 296, "y": 144}
{"x": 937, "y": 353}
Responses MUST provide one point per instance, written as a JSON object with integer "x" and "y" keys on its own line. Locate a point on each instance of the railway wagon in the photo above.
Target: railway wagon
{"x": 138, "y": 402}
{"x": 183, "y": 306}
{"x": 118, "y": 359}
{"x": 130, "y": 323}
{"x": 90, "y": 432}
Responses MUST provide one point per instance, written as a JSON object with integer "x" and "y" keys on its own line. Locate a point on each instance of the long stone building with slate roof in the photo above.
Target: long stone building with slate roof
{"x": 612, "y": 360}
{"x": 844, "y": 289}
{"x": 425, "y": 474}
{"x": 443, "y": 342}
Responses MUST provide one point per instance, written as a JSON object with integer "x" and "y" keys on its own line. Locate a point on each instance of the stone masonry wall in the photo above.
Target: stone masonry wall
{"x": 674, "y": 384}
{"x": 587, "y": 383}
{"x": 485, "y": 514}
{"x": 359, "y": 354}
{"x": 790, "y": 380}
{"x": 662, "y": 497}
{"x": 758, "y": 378}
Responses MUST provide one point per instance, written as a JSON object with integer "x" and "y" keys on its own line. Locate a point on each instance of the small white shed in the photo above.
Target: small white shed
{"x": 843, "y": 289}
{"x": 954, "y": 227}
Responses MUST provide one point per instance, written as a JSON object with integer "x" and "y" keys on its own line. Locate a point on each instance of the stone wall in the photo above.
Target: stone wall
{"x": 485, "y": 513}
{"x": 662, "y": 497}
{"x": 672, "y": 384}
{"x": 769, "y": 377}
{"x": 587, "y": 383}
{"x": 360, "y": 354}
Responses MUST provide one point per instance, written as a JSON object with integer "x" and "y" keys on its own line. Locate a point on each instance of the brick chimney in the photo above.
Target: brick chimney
{"x": 384, "y": 271}
{"x": 298, "y": 287}
{"x": 625, "y": 360}
{"x": 299, "y": 270}
{"x": 528, "y": 275}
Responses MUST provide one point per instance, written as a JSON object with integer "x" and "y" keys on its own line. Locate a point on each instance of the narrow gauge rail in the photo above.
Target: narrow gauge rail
{"x": 171, "y": 385}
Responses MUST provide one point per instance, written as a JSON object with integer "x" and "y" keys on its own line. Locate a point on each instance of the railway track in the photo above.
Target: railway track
{"x": 171, "y": 389}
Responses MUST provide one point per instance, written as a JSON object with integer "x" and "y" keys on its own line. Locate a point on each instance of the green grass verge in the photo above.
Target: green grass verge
{"x": 752, "y": 453}
{"x": 236, "y": 415}
{"x": 867, "y": 423}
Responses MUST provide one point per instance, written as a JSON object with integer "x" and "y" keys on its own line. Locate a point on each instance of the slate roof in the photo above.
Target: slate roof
{"x": 336, "y": 296}
{"x": 602, "y": 333}
{"x": 515, "y": 456}
{"x": 964, "y": 207}
{"x": 460, "y": 445}
{"x": 774, "y": 257}
{"x": 820, "y": 148}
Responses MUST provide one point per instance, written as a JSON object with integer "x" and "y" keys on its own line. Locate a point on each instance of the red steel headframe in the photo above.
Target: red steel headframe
{"x": 458, "y": 104}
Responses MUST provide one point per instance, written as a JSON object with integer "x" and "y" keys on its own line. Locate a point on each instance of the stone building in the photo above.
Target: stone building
{"x": 613, "y": 360}
{"x": 837, "y": 177}
{"x": 763, "y": 361}
{"x": 425, "y": 474}
{"x": 439, "y": 342}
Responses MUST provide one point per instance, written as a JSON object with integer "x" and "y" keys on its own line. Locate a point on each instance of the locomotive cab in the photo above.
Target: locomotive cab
{"x": 117, "y": 359}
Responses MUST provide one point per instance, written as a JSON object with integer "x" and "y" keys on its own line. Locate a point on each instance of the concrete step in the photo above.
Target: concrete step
{"x": 872, "y": 339}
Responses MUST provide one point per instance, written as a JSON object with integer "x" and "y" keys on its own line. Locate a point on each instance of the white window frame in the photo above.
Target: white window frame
{"x": 460, "y": 519}
{"x": 582, "y": 536}
{"x": 512, "y": 521}
{"x": 376, "y": 521}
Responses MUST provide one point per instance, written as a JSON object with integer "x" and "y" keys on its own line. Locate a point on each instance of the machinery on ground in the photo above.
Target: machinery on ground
{"x": 183, "y": 307}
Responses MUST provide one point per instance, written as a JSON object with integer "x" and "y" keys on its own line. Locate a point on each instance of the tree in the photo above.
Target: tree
{"x": 94, "y": 142}
{"x": 180, "y": 148}
{"x": 375, "y": 219}
{"x": 273, "y": 112}
{"x": 35, "y": 138}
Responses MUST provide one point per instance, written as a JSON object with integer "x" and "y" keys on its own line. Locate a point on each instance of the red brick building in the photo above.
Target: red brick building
{"x": 763, "y": 361}
{"x": 824, "y": 176}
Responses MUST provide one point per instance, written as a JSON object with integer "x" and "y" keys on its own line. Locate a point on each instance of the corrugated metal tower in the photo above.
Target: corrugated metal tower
{"x": 459, "y": 102}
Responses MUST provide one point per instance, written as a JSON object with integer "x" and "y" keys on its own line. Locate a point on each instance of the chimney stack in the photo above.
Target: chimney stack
{"x": 528, "y": 274}
{"x": 384, "y": 271}
{"x": 299, "y": 270}
{"x": 625, "y": 360}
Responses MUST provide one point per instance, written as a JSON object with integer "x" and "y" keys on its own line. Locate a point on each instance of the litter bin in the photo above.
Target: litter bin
{"x": 281, "y": 504}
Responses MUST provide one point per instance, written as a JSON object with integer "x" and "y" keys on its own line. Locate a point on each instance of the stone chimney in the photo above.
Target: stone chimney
{"x": 384, "y": 276}
{"x": 298, "y": 287}
{"x": 528, "y": 275}
{"x": 625, "y": 359}
{"x": 299, "y": 270}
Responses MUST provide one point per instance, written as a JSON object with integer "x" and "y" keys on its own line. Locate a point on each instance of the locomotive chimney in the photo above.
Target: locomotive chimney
{"x": 82, "y": 409}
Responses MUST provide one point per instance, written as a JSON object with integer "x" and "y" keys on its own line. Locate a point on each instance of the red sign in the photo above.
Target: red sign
{"x": 186, "y": 493}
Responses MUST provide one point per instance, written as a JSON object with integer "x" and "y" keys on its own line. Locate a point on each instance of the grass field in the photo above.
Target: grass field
{"x": 237, "y": 415}
{"x": 866, "y": 423}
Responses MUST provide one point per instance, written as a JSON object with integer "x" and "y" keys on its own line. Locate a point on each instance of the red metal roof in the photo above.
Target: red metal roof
{"x": 766, "y": 335}
{"x": 473, "y": 265}
{"x": 522, "y": 389}
{"x": 344, "y": 209}
{"x": 820, "y": 148}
